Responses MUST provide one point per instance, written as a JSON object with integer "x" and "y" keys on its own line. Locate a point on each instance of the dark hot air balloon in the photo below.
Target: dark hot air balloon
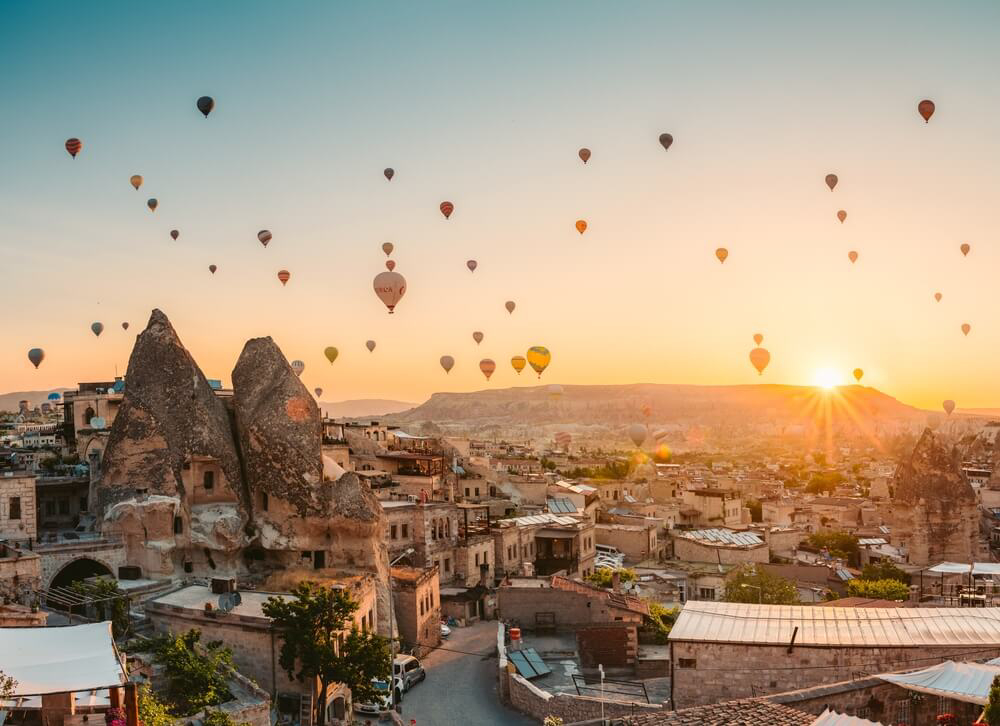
{"x": 36, "y": 356}
{"x": 584, "y": 155}
{"x": 124, "y": 326}
{"x": 152, "y": 204}
{"x": 212, "y": 269}
{"x": 831, "y": 181}
{"x": 205, "y": 105}
{"x": 284, "y": 276}
{"x": 926, "y": 109}
{"x": 389, "y": 173}
{"x": 174, "y": 234}
{"x": 666, "y": 140}
{"x": 97, "y": 328}
{"x": 447, "y": 362}
{"x": 264, "y": 236}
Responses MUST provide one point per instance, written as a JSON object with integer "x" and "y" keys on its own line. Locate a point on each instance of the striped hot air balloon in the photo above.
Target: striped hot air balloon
{"x": 446, "y": 209}
{"x": 284, "y": 276}
{"x": 74, "y": 146}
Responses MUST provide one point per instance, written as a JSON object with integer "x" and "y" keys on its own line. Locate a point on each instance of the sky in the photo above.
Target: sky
{"x": 486, "y": 105}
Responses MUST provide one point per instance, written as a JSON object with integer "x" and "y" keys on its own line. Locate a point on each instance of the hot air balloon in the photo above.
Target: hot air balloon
{"x": 212, "y": 269}
{"x": 518, "y": 362}
{"x": 487, "y": 366}
{"x": 637, "y": 432}
{"x": 581, "y": 225}
{"x": 136, "y": 181}
{"x": 584, "y": 155}
{"x": 264, "y": 236}
{"x": 390, "y": 265}
{"x": 926, "y": 109}
{"x": 387, "y": 247}
{"x": 646, "y": 410}
{"x": 284, "y": 276}
{"x": 510, "y": 306}
{"x": 297, "y": 367}
{"x": 389, "y": 173}
{"x": 852, "y": 256}
{"x": 174, "y": 234}
{"x": 446, "y": 209}
{"x": 666, "y": 140}
{"x": 539, "y": 358}
{"x": 318, "y": 392}
{"x": 858, "y": 373}
{"x": 759, "y": 357}
{"x": 937, "y": 296}
{"x": 478, "y": 337}
{"x": 205, "y": 105}
{"x": 54, "y": 396}
{"x": 841, "y": 215}
{"x": 447, "y": 362}
{"x": 390, "y": 288}
{"x": 965, "y": 248}
{"x": 831, "y": 181}
{"x": 97, "y": 328}
{"x": 722, "y": 253}
{"x": 124, "y": 326}
{"x": 36, "y": 356}
{"x": 370, "y": 345}
{"x": 966, "y": 328}
{"x": 948, "y": 406}
{"x": 74, "y": 146}
{"x": 758, "y": 338}
{"x": 555, "y": 391}
{"x": 331, "y": 353}
{"x": 472, "y": 265}
{"x": 152, "y": 204}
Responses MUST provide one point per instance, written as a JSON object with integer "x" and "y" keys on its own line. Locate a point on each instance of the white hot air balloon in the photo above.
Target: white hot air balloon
{"x": 638, "y": 432}
{"x": 390, "y": 287}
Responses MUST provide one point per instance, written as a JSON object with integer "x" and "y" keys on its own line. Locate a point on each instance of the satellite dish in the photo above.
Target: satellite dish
{"x": 98, "y": 422}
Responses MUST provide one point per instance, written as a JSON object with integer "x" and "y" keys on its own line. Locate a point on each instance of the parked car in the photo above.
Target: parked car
{"x": 384, "y": 702}
{"x": 408, "y": 668}
{"x": 445, "y": 630}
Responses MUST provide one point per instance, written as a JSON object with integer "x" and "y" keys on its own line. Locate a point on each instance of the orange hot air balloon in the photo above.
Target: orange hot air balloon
{"x": 478, "y": 337}
{"x": 510, "y": 305}
{"x": 646, "y": 410}
{"x": 965, "y": 249}
{"x": 518, "y": 362}
{"x": 841, "y": 215}
{"x": 937, "y": 296}
{"x": 948, "y": 406}
{"x": 447, "y": 362}
{"x": 74, "y": 146}
{"x": 926, "y": 109}
{"x": 831, "y": 181}
{"x": 581, "y": 226}
{"x": 666, "y": 140}
{"x": 136, "y": 181}
{"x": 758, "y": 338}
{"x": 446, "y": 209}
{"x": 389, "y": 173}
{"x": 264, "y": 236}
{"x": 852, "y": 256}
{"x": 858, "y": 373}
{"x": 174, "y": 234}
{"x": 152, "y": 204}
{"x": 487, "y": 366}
{"x": 390, "y": 288}
{"x": 966, "y": 328}
{"x": 584, "y": 155}
{"x": 722, "y": 253}
{"x": 472, "y": 265}
{"x": 387, "y": 247}
{"x": 390, "y": 265}
{"x": 212, "y": 269}
{"x": 284, "y": 276}
{"x": 759, "y": 357}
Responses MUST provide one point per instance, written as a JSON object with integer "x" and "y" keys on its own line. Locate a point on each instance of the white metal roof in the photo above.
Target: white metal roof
{"x": 724, "y": 536}
{"x": 60, "y": 660}
{"x": 871, "y": 541}
{"x": 723, "y": 622}
{"x": 968, "y": 682}
{"x": 832, "y": 718}
{"x": 951, "y": 568}
{"x": 535, "y": 519}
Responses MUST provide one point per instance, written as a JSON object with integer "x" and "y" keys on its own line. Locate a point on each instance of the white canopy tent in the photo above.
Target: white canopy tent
{"x": 968, "y": 682}
{"x": 60, "y": 660}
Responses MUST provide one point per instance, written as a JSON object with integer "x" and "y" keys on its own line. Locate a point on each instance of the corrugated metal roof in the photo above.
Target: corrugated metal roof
{"x": 871, "y": 541}
{"x": 724, "y": 536}
{"x": 723, "y": 622}
{"x": 536, "y": 519}
{"x": 561, "y": 505}
{"x": 832, "y": 718}
{"x": 951, "y": 568}
{"x": 968, "y": 682}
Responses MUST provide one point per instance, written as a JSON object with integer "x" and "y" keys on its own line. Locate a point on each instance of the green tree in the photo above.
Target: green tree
{"x": 602, "y": 576}
{"x": 660, "y": 621}
{"x": 748, "y": 584}
{"x": 312, "y": 625}
{"x": 992, "y": 713}
{"x": 152, "y": 711}
{"x": 7, "y": 686}
{"x": 884, "y": 571}
{"x": 838, "y": 544}
{"x": 879, "y": 589}
{"x": 195, "y": 673}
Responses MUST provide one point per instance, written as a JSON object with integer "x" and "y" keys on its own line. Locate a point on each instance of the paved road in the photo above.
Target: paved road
{"x": 462, "y": 688}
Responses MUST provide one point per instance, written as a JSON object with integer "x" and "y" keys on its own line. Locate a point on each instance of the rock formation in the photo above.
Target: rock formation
{"x": 934, "y": 510}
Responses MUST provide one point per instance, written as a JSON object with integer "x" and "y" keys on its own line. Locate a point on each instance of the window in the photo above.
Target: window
{"x": 263, "y": 501}
{"x": 209, "y": 480}
{"x": 447, "y": 564}
{"x": 477, "y": 559}
{"x": 477, "y": 491}
{"x": 466, "y": 491}
{"x": 178, "y": 525}
{"x": 392, "y": 531}
{"x": 64, "y": 506}
{"x": 510, "y": 552}
{"x": 706, "y": 593}
{"x": 83, "y": 504}
{"x": 15, "y": 508}
{"x": 687, "y": 663}
{"x": 405, "y": 531}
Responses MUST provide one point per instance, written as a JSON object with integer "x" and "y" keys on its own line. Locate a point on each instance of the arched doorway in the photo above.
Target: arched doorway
{"x": 79, "y": 569}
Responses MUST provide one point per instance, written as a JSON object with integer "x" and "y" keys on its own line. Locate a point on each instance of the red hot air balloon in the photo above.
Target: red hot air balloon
{"x": 74, "y": 146}
{"x": 446, "y": 209}
{"x": 389, "y": 173}
{"x": 284, "y": 276}
{"x": 926, "y": 109}
{"x": 212, "y": 269}
{"x": 390, "y": 265}
{"x": 487, "y": 366}
{"x": 264, "y": 236}
{"x": 965, "y": 248}
{"x": 584, "y": 155}
{"x": 174, "y": 234}
{"x": 759, "y": 358}
{"x": 937, "y": 296}
{"x": 581, "y": 225}
{"x": 966, "y": 328}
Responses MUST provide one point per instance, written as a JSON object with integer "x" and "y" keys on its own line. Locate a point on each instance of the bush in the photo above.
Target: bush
{"x": 152, "y": 711}
{"x": 750, "y": 585}
{"x": 661, "y": 619}
{"x": 878, "y": 589}
{"x": 838, "y": 544}
{"x": 884, "y": 571}
{"x": 195, "y": 673}
{"x": 602, "y": 576}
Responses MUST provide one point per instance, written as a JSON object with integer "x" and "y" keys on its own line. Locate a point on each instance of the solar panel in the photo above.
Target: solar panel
{"x": 536, "y": 662}
{"x": 528, "y": 663}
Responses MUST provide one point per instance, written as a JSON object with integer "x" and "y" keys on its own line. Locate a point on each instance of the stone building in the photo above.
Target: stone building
{"x": 18, "y": 520}
{"x": 934, "y": 511}
{"x": 20, "y": 573}
{"x": 416, "y": 596}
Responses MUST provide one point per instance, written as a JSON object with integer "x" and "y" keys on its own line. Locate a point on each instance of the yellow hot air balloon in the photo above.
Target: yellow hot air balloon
{"x": 135, "y": 181}
{"x": 759, "y": 357}
{"x": 758, "y": 338}
{"x": 722, "y": 253}
{"x": 331, "y": 353}
{"x": 518, "y": 362}
{"x": 858, "y": 373}
{"x": 581, "y": 225}
{"x": 539, "y": 358}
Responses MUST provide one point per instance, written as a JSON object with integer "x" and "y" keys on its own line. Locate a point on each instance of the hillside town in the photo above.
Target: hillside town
{"x": 657, "y": 580}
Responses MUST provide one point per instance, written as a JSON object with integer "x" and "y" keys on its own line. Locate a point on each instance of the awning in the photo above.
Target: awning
{"x": 832, "y": 718}
{"x": 60, "y": 660}
{"x": 986, "y": 568}
{"x": 951, "y": 568}
{"x": 968, "y": 682}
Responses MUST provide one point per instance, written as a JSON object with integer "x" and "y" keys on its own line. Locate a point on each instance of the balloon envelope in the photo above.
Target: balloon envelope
{"x": 390, "y": 265}
{"x": 581, "y": 225}
{"x": 722, "y": 253}
{"x": 284, "y": 276}
{"x": 390, "y": 288}
{"x": 666, "y": 140}
{"x": 858, "y": 373}
{"x": 518, "y": 362}
{"x": 152, "y": 204}
{"x": 36, "y": 356}
{"x": 74, "y": 146}
{"x": 205, "y": 105}
{"x": 937, "y": 296}
{"x": 584, "y": 155}
{"x": 926, "y": 109}
{"x": 637, "y": 432}
{"x": 212, "y": 269}
{"x": 318, "y": 392}
{"x": 965, "y": 249}
{"x": 331, "y": 353}
{"x": 387, "y": 247}
{"x": 852, "y": 256}
{"x": 370, "y": 345}
{"x": 447, "y": 362}
{"x": 841, "y": 215}
{"x": 478, "y": 337}
{"x": 831, "y": 181}
{"x": 487, "y": 366}
{"x": 966, "y": 328}
{"x": 758, "y": 338}
{"x": 389, "y": 173}
{"x": 136, "y": 181}
{"x": 510, "y": 306}
{"x": 264, "y": 236}
{"x": 446, "y": 209}
{"x": 759, "y": 357}
{"x": 539, "y": 358}
{"x": 948, "y": 406}
{"x": 124, "y": 326}
{"x": 472, "y": 265}
{"x": 297, "y": 367}
{"x": 174, "y": 234}
{"x": 97, "y": 328}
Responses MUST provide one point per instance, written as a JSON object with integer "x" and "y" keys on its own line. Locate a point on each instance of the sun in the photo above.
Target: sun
{"x": 826, "y": 378}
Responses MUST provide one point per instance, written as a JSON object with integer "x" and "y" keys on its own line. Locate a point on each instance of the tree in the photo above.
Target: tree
{"x": 838, "y": 544}
{"x": 825, "y": 482}
{"x": 878, "y": 589}
{"x": 661, "y": 620}
{"x": 7, "y": 686}
{"x": 152, "y": 711}
{"x": 112, "y": 603}
{"x": 747, "y": 584}
{"x": 884, "y": 571}
{"x": 602, "y": 576}
{"x": 992, "y": 713}
{"x": 312, "y": 627}
{"x": 196, "y": 674}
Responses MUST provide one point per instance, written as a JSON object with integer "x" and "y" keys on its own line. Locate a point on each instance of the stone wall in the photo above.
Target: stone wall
{"x": 687, "y": 550}
{"x": 20, "y": 574}
{"x": 23, "y": 488}
{"x": 109, "y": 553}
{"x": 571, "y": 609}
{"x": 608, "y": 645}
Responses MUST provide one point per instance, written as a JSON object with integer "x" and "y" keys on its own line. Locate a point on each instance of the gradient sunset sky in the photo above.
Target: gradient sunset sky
{"x": 486, "y": 105}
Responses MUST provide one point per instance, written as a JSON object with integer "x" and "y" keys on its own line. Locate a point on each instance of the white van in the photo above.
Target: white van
{"x": 608, "y": 550}
{"x": 408, "y": 669}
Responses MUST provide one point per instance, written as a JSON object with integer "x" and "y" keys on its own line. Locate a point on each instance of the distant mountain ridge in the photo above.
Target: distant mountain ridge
{"x": 361, "y": 407}
{"x": 9, "y": 401}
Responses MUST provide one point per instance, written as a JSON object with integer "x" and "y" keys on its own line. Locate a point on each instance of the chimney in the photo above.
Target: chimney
{"x": 616, "y": 581}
